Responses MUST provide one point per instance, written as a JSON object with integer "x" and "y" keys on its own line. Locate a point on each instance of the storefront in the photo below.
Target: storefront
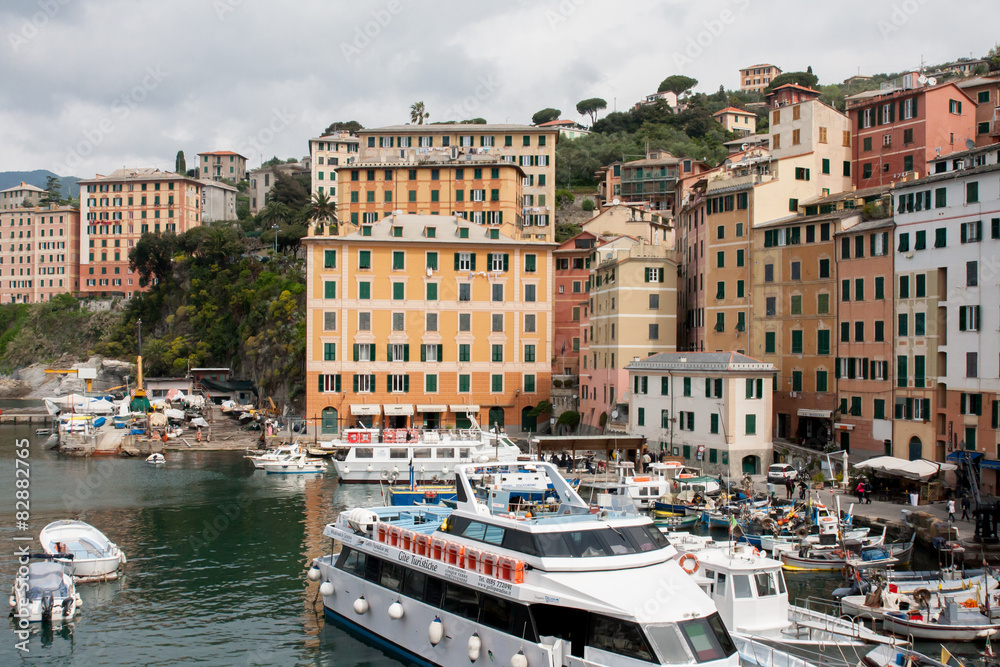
{"x": 430, "y": 416}
{"x": 463, "y": 414}
{"x": 364, "y": 414}
{"x": 397, "y": 415}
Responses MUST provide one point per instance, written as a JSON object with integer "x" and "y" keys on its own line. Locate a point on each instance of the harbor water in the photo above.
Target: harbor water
{"x": 216, "y": 560}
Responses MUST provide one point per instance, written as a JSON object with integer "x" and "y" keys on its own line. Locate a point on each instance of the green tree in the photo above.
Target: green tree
{"x": 993, "y": 58}
{"x": 807, "y": 79}
{"x": 289, "y": 190}
{"x": 545, "y": 116}
{"x": 473, "y": 121}
{"x": 418, "y": 114}
{"x": 53, "y": 191}
{"x": 590, "y": 107}
{"x": 152, "y": 257}
{"x": 351, "y": 126}
{"x": 180, "y": 164}
{"x": 570, "y": 419}
{"x": 322, "y": 211}
{"x": 564, "y": 198}
{"x": 588, "y": 205}
{"x": 677, "y": 84}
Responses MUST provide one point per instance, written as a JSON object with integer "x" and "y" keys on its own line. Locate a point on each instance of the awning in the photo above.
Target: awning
{"x": 432, "y": 408}
{"x": 920, "y": 469}
{"x": 987, "y": 463}
{"x": 961, "y": 454}
{"x": 819, "y": 414}
{"x": 398, "y": 410}
{"x": 843, "y": 427}
{"x": 463, "y": 409}
{"x": 366, "y": 409}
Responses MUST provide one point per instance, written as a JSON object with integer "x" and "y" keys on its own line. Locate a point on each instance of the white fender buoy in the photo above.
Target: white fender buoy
{"x": 361, "y": 606}
{"x": 346, "y": 469}
{"x": 519, "y": 660}
{"x": 313, "y": 574}
{"x": 370, "y": 467}
{"x": 445, "y": 470}
{"x": 326, "y": 589}
{"x": 395, "y": 470}
{"x": 483, "y": 458}
{"x": 435, "y": 632}
{"x": 13, "y": 601}
{"x": 396, "y": 611}
{"x": 475, "y": 645}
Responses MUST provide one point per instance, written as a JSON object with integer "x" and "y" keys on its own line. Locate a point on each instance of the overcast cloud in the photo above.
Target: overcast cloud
{"x": 90, "y": 86}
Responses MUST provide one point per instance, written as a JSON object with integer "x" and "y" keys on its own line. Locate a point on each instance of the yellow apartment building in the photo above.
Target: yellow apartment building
{"x": 116, "y": 210}
{"x": 219, "y": 165}
{"x": 329, "y": 153}
{"x": 739, "y": 122}
{"x": 427, "y": 320}
{"x": 482, "y": 190}
{"x": 39, "y": 253}
{"x": 529, "y": 147}
{"x": 632, "y": 314}
{"x": 758, "y": 77}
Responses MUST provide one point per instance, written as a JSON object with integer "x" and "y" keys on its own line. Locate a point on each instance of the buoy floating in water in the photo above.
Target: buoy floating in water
{"x": 435, "y": 633}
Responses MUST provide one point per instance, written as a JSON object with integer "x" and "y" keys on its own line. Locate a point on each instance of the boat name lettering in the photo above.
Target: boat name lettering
{"x": 425, "y": 563}
{"x": 456, "y": 574}
{"x": 381, "y": 548}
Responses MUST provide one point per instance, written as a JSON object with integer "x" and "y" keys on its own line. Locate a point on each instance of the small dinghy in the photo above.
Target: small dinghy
{"x": 294, "y": 466}
{"x": 156, "y": 459}
{"x": 46, "y": 595}
{"x": 85, "y": 551}
{"x": 954, "y": 623}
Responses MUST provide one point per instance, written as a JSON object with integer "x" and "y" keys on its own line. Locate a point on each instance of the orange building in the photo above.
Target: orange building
{"x": 116, "y": 210}
{"x": 39, "y": 253}
{"x": 572, "y": 260}
{"x": 424, "y": 319}
{"x": 985, "y": 90}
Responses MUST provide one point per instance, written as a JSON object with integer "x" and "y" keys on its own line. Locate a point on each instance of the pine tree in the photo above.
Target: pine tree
{"x": 181, "y": 165}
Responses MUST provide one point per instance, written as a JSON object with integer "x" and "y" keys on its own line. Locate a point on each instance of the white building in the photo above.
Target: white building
{"x": 712, "y": 408}
{"x": 218, "y": 201}
{"x": 16, "y": 196}
{"x": 948, "y": 306}
{"x": 328, "y": 153}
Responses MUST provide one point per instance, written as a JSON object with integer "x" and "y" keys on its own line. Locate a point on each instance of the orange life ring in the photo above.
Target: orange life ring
{"x": 352, "y": 437}
{"x": 689, "y": 563}
{"x": 389, "y": 436}
{"x": 366, "y": 437}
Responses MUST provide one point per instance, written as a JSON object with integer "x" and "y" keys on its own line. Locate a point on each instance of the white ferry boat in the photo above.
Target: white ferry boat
{"x": 552, "y": 585}
{"x": 373, "y": 455}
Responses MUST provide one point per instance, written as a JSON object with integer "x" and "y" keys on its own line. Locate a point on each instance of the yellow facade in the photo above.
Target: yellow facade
{"x": 529, "y": 147}
{"x": 417, "y": 314}
{"x": 485, "y": 193}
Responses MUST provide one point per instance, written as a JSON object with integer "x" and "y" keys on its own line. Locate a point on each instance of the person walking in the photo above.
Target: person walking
{"x": 802, "y": 489}
{"x": 951, "y": 510}
{"x": 868, "y": 492}
{"x": 789, "y": 487}
{"x": 859, "y": 491}
{"x": 965, "y": 507}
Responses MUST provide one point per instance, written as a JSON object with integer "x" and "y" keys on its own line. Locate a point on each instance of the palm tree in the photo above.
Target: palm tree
{"x": 418, "y": 114}
{"x": 321, "y": 210}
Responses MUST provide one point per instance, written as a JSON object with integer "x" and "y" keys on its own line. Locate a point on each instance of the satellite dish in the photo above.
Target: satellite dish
{"x": 398, "y": 212}
{"x": 922, "y": 79}
{"x": 932, "y": 81}
{"x": 615, "y": 201}
{"x": 614, "y": 414}
{"x": 744, "y": 147}
{"x": 970, "y": 144}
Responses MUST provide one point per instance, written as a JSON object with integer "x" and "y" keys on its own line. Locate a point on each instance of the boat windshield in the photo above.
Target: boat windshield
{"x": 707, "y": 638}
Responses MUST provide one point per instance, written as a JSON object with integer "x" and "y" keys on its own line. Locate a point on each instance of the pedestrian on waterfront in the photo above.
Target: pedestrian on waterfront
{"x": 965, "y": 507}
{"x": 789, "y": 487}
{"x": 860, "y": 490}
{"x": 803, "y": 487}
{"x": 646, "y": 460}
{"x": 868, "y": 492}
{"x": 951, "y": 510}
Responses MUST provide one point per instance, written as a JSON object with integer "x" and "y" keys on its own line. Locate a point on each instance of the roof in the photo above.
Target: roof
{"x": 947, "y": 176}
{"x": 649, "y": 162}
{"x": 446, "y": 231}
{"x": 749, "y": 139}
{"x": 742, "y": 112}
{"x": 701, "y": 361}
{"x": 869, "y": 225}
{"x": 850, "y": 194}
{"x": 760, "y": 65}
{"x": 347, "y": 138}
{"x": 874, "y": 94}
{"x": 140, "y": 174}
{"x": 456, "y": 127}
{"x": 798, "y": 219}
{"x": 228, "y": 385}
{"x": 223, "y": 153}
{"x": 24, "y": 186}
{"x": 794, "y": 85}
{"x": 978, "y": 81}
{"x": 557, "y": 122}
{"x": 209, "y": 183}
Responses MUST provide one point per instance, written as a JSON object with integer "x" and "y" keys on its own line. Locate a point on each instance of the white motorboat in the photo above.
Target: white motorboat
{"x": 47, "y": 594}
{"x": 371, "y": 456}
{"x": 893, "y": 656}
{"x": 749, "y": 590}
{"x": 156, "y": 458}
{"x": 286, "y": 452}
{"x": 87, "y": 553}
{"x": 646, "y": 489}
{"x": 302, "y": 464}
{"x": 953, "y": 623}
{"x": 556, "y": 586}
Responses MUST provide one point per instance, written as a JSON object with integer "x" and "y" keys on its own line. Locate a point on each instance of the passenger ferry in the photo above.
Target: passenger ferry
{"x": 551, "y": 584}
{"x": 373, "y": 455}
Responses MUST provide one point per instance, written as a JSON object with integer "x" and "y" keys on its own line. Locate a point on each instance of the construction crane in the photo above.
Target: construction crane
{"x": 88, "y": 374}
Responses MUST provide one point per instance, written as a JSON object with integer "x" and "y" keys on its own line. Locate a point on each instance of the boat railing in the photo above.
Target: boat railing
{"x": 757, "y": 653}
{"x": 828, "y": 615}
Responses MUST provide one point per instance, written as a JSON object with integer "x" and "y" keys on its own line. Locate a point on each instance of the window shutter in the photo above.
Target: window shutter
{"x": 456, "y": 261}
{"x": 718, "y": 387}
{"x": 388, "y": 352}
{"x": 388, "y": 382}
{"x": 749, "y": 388}
{"x": 406, "y": 352}
{"x": 664, "y": 386}
{"x": 965, "y": 236}
{"x": 472, "y": 261}
{"x": 635, "y": 385}
{"x": 892, "y": 113}
{"x": 909, "y": 408}
{"x": 864, "y": 369}
{"x": 708, "y": 387}
{"x": 321, "y": 383}
{"x": 836, "y": 369}
{"x": 914, "y": 107}
{"x": 871, "y": 240}
{"x": 423, "y": 353}
{"x": 440, "y": 353}
{"x": 962, "y": 404}
{"x": 961, "y": 318}
{"x": 355, "y": 356}
{"x": 355, "y": 378}
{"x": 506, "y": 261}
{"x": 406, "y": 383}
{"x": 662, "y": 273}
{"x": 336, "y": 383}
{"x": 760, "y": 388}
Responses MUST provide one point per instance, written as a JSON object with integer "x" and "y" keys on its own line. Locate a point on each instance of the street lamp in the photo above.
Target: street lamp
{"x": 275, "y": 228}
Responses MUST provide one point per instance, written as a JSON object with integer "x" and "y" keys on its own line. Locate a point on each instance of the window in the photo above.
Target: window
{"x": 901, "y": 324}
{"x": 823, "y": 304}
{"x": 769, "y": 342}
{"x": 971, "y": 274}
{"x": 399, "y": 321}
{"x": 751, "y": 424}
{"x": 398, "y": 263}
{"x": 329, "y": 321}
{"x": 496, "y": 383}
{"x": 496, "y": 322}
{"x": 431, "y": 322}
{"x": 365, "y": 259}
{"x": 364, "y": 321}
{"x": 329, "y": 289}
{"x": 823, "y": 341}
{"x": 879, "y": 331}
{"x": 496, "y": 292}
{"x": 432, "y": 292}
{"x": 955, "y": 107}
{"x": 796, "y": 304}
{"x": 796, "y": 380}
{"x": 465, "y": 322}
{"x": 821, "y": 381}
{"x": 968, "y": 318}
{"x": 972, "y": 232}
{"x": 921, "y": 285}
{"x": 430, "y": 383}
{"x": 797, "y": 341}
{"x": 770, "y": 306}
{"x": 529, "y": 323}
{"x": 904, "y": 287}
{"x": 329, "y": 351}
{"x": 940, "y": 237}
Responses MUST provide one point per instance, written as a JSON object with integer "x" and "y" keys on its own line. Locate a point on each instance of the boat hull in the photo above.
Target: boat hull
{"x": 95, "y": 557}
{"x": 933, "y": 631}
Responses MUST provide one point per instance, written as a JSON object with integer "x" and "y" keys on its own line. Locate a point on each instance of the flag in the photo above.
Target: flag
{"x": 564, "y": 348}
{"x": 732, "y": 524}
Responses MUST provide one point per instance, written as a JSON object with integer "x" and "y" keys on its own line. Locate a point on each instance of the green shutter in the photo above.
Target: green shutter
{"x": 506, "y": 261}
{"x": 456, "y": 260}
{"x": 321, "y": 385}
{"x": 388, "y": 353}
{"x": 355, "y": 378}
{"x": 472, "y": 261}
{"x": 406, "y": 352}
{"x": 355, "y": 356}
{"x": 423, "y": 353}
{"x": 664, "y": 386}
{"x": 440, "y": 353}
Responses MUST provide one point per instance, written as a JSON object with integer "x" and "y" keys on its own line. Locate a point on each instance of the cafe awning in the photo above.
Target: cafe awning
{"x": 432, "y": 408}
{"x": 398, "y": 410}
{"x": 366, "y": 409}
{"x": 921, "y": 469}
{"x": 818, "y": 414}
{"x": 548, "y": 443}
{"x": 463, "y": 409}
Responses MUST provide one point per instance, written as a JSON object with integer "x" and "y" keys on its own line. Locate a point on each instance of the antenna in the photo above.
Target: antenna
{"x": 922, "y": 79}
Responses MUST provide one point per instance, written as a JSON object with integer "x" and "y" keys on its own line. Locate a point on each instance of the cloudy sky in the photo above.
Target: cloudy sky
{"x": 90, "y": 86}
